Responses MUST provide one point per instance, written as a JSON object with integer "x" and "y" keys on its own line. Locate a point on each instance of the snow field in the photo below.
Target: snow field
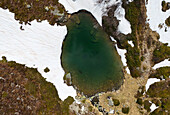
{"x": 38, "y": 46}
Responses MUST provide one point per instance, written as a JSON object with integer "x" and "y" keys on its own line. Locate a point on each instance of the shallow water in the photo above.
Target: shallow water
{"x": 90, "y": 56}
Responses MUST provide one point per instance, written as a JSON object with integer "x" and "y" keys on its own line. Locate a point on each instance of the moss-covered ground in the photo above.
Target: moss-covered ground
{"x": 28, "y": 10}
{"x": 161, "y": 91}
{"x": 160, "y": 53}
{"x": 33, "y": 92}
{"x": 161, "y": 73}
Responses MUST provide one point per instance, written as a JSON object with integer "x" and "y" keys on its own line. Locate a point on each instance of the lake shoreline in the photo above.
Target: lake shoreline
{"x": 116, "y": 85}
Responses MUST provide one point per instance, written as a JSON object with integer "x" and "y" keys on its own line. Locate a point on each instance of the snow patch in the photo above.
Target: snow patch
{"x": 127, "y": 70}
{"x": 124, "y": 25}
{"x": 164, "y": 63}
{"x": 122, "y": 52}
{"x": 112, "y": 39}
{"x": 39, "y": 44}
{"x": 156, "y": 16}
{"x": 150, "y": 82}
{"x": 131, "y": 43}
{"x": 153, "y": 107}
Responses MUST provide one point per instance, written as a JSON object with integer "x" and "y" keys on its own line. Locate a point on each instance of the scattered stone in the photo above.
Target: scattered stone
{"x": 110, "y": 102}
{"x": 67, "y": 79}
{"x": 28, "y": 6}
{"x": 2, "y": 78}
{"x": 47, "y": 8}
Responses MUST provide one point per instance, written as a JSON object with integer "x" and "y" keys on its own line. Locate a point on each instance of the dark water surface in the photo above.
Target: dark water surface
{"x": 90, "y": 56}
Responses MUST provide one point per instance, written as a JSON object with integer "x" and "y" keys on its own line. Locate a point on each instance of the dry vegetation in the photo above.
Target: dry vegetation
{"x": 29, "y": 10}
{"x": 167, "y": 21}
{"x": 24, "y": 91}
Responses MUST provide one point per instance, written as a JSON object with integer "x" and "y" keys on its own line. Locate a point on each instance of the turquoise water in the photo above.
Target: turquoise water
{"x": 90, "y": 56}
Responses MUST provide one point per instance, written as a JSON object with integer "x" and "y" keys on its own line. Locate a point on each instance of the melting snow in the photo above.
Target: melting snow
{"x": 131, "y": 43}
{"x": 156, "y": 16}
{"x": 124, "y": 25}
{"x": 98, "y": 10}
{"x": 162, "y": 64}
{"x": 150, "y": 82}
{"x": 39, "y": 44}
{"x": 153, "y": 107}
{"x": 122, "y": 52}
{"x": 113, "y": 39}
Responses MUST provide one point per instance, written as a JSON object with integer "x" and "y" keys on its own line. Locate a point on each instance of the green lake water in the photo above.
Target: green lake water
{"x": 90, "y": 56}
